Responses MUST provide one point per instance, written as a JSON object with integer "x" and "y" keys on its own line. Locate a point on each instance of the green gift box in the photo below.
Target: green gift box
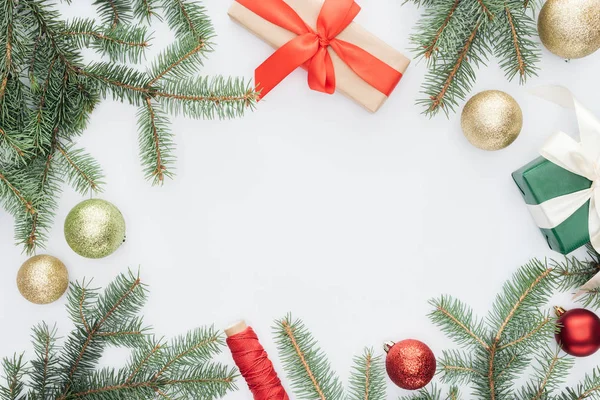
{"x": 542, "y": 180}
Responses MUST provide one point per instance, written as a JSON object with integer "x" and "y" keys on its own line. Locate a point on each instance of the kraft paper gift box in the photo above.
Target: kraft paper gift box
{"x": 347, "y": 82}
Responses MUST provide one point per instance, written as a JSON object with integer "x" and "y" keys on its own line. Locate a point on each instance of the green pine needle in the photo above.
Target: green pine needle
{"x": 306, "y": 365}
{"x": 183, "y": 368}
{"x": 367, "y": 379}
{"x": 48, "y": 91}
{"x": 457, "y": 36}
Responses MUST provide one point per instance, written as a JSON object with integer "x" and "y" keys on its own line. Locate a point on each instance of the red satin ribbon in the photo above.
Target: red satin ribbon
{"x": 309, "y": 48}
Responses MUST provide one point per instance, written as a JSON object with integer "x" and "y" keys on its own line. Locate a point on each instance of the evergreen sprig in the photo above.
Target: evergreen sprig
{"x": 182, "y": 369}
{"x": 310, "y": 373}
{"x": 455, "y": 37}
{"x": 48, "y": 90}
{"x": 515, "y": 338}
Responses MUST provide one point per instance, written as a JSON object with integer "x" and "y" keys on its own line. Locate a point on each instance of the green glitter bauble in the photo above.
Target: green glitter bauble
{"x": 94, "y": 228}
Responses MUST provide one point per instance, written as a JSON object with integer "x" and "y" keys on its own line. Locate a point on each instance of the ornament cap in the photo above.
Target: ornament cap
{"x": 388, "y": 345}
{"x": 559, "y": 311}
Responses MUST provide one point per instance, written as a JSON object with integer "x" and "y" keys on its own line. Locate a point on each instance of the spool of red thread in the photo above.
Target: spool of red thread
{"x": 253, "y": 363}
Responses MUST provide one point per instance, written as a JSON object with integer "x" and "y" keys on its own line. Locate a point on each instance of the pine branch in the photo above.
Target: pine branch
{"x": 454, "y": 73}
{"x": 156, "y": 142}
{"x": 82, "y": 172}
{"x": 433, "y": 393}
{"x": 518, "y": 54}
{"x": 458, "y": 322}
{"x": 187, "y": 18}
{"x": 306, "y": 365}
{"x": 433, "y": 24}
{"x": 121, "y": 300}
{"x": 15, "y": 200}
{"x": 122, "y": 43}
{"x": 114, "y": 12}
{"x": 47, "y": 95}
{"x": 122, "y": 82}
{"x": 552, "y": 373}
{"x": 208, "y": 97}
{"x": 182, "y": 59}
{"x": 14, "y": 370}
{"x": 588, "y": 389}
{"x": 457, "y": 368}
{"x": 186, "y": 351}
{"x": 573, "y": 273}
{"x": 367, "y": 380}
{"x": 44, "y": 371}
{"x": 456, "y": 36}
{"x": 145, "y": 9}
{"x": 183, "y": 370}
{"x": 32, "y": 231}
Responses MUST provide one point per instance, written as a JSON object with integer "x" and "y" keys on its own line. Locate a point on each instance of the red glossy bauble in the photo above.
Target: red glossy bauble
{"x": 579, "y": 333}
{"x": 410, "y": 363}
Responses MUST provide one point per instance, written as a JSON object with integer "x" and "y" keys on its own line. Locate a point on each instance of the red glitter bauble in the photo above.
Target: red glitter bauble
{"x": 410, "y": 363}
{"x": 579, "y": 331}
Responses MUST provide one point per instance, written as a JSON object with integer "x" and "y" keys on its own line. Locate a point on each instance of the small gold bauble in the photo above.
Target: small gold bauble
{"x": 491, "y": 120}
{"x": 94, "y": 228}
{"x": 570, "y": 28}
{"x": 43, "y": 279}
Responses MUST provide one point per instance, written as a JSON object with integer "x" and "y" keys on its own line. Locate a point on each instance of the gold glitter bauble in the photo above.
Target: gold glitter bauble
{"x": 491, "y": 120}
{"x": 570, "y": 28}
{"x": 43, "y": 279}
{"x": 94, "y": 228}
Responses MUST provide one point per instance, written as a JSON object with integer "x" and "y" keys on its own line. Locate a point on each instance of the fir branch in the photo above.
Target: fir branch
{"x": 518, "y": 54}
{"x": 432, "y": 393}
{"x": 367, "y": 380}
{"x": 186, "y": 351}
{"x": 187, "y": 18}
{"x": 458, "y": 322}
{"x": 145, "y": 9}
{"x": 122, "y": 82}
{"x": 305, "y": 363}
{"x": 122, "y": 43}
{"x": 208, "y": 97}
{"x": 531, "y": 331}
{"x": 183, "y": 58}
{"x": 15, "y": 200}
{"x": 81, "y": 170}
{"x": 553, "y": 371}
{"x": 44, "y": 371}
{"x": 14, "y": 370}
{"x": 122, "y": 298}
{"x": 114, "y": 12}
{"x": 456, "y": 36}
{"x": 156, "y": 144}
{"x": 457, "y": 368}
{"x": 589, "y": 388}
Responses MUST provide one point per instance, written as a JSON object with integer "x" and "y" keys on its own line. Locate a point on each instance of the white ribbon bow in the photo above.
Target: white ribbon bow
{"x": 581, "y": 158}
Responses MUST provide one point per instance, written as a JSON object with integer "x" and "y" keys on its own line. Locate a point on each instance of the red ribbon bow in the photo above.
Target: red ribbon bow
{"x": 309, "y": 48}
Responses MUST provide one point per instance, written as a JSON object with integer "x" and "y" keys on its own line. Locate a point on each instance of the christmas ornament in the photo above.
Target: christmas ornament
{"x": 254, "y": 364}
{"x": 42, "y": 279}
{"x": 570, "y": 28}
{"x": 410, "y": 363}
{"x": 94, "y": 228}
{"x": 491, "y": 120}
{"x": 579, "y": 333}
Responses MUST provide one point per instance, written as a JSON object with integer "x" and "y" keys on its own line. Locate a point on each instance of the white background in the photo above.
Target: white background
{"x": 349, "y": 220}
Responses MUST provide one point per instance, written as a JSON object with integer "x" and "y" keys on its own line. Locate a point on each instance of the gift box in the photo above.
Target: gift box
{"x": 542, "y": 180}
{"x": 347, "y": 68}
{"x": 562, "y": 189}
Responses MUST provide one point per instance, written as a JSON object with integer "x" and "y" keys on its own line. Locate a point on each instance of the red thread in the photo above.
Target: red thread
{"x": 255, "y": 366}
